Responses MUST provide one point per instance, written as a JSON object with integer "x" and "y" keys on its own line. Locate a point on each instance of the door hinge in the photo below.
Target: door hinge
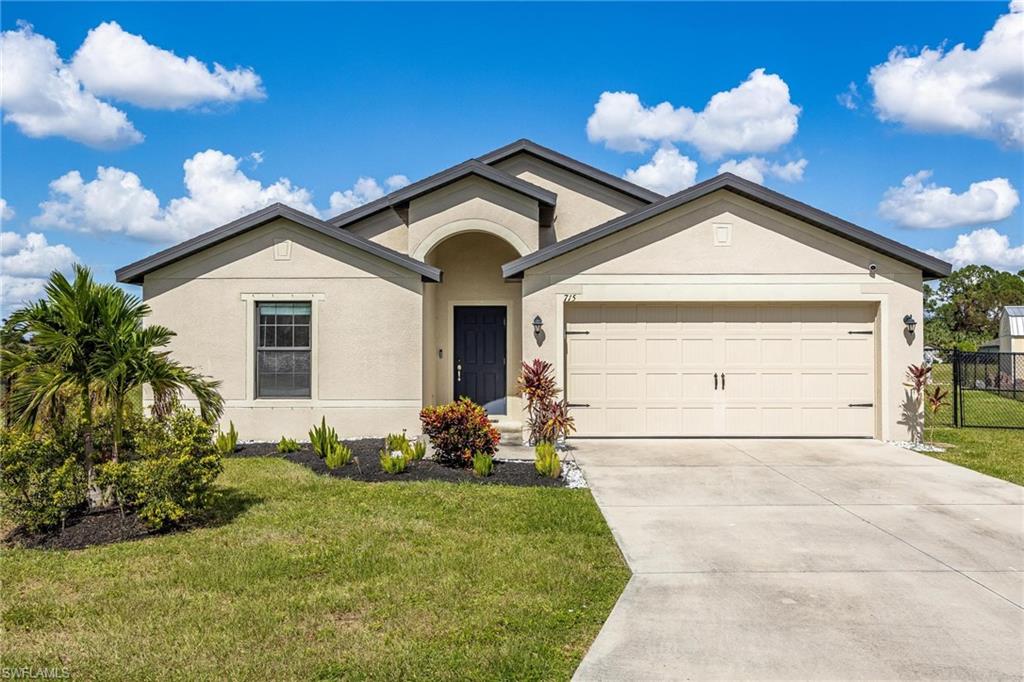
{"x": 569, "y": 332}
{"x": 861, "y": 405}
{"x": 868, "y": 333}
{"x": 577, "y": 404}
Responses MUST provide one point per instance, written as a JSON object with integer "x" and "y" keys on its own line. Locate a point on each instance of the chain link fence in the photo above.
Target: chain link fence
{"x": 985, "y": 388}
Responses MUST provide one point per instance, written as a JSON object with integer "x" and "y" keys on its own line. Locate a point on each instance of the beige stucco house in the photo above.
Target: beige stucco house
{"x": 724, "y": 309}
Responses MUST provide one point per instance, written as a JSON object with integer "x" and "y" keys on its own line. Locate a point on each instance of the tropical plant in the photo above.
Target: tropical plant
{"x": 418, "y": 450}
{"x": 337, "y": 455}
{"x": 548, "y": 418}
{"x": 918, "y": 378}
{"x": 227, "y": 443}
{"x": 483, "y": 464}
{"x": 286, "y": 445}
{"x": 398, "y": 442}
{"x": 322, "y": 438}
{"x": 39, "y": 483}
{"x": 459, "y": 429}
{"x": 392, "y": 461}
{"x": 937, "y": 398}
{"x": 547, "y": 462}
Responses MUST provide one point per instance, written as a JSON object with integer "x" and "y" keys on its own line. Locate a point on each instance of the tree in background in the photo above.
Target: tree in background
{"x": 964, "y": 310}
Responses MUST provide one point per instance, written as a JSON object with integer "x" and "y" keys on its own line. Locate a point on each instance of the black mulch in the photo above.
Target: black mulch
{"x": 365, "y": 466}
{"x": 100, "y": 527}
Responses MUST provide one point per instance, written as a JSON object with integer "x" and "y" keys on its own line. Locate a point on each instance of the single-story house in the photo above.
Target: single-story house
{"x": 724, "y": 309}
{"x": 1011, "y": 332}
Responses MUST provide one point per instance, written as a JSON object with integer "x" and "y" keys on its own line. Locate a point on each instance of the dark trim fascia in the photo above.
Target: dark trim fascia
{"x": 558, "y": 159}
{"x": 400, "y": 198}
{"x": 931, "y": 267}
{"x": 134, "y": 273}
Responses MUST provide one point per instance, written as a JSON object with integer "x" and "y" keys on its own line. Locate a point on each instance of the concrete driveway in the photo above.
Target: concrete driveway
{"x": 806, "y": 559}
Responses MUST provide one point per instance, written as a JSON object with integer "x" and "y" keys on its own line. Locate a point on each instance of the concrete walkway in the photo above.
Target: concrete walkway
{"x": 806, "y": 559}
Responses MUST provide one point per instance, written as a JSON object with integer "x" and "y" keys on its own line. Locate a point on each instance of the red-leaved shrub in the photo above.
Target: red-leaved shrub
{"x": 457, "y": 430}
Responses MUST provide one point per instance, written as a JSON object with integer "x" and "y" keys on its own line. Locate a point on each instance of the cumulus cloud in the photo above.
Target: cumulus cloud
{"x": 755, "y": 116}
{"x": 26, "y": 262}
{"x": 43, "y": 97}
{"x": 756, "y": 169}
{"x": 961, "y": 90}
{"x": 116, "y": 201}
{"x": 364, "y": 191}
{"x": 916, "y": 204}
{"x": 6, "y": 212}
{"x": 850, "y": 99}
{"x": 667, "y": 172}
{"x": 984, "y": 247}
{"x": 114, "y": 63}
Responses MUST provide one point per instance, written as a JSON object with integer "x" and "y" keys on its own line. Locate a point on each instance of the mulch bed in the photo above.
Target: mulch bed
{"x": 97, "y": 527}
{"x": 365, "y": 466}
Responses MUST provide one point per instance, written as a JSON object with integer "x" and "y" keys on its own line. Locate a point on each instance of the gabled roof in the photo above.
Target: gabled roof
{"x": 1015, "y": 316}
{"x": 401, "y": 197}
{"x": 931, "y": 266}
{"x": 599, "y": 176}
{"x": 134, "y": 273}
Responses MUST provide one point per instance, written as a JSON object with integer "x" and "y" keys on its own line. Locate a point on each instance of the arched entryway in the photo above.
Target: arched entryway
{"x": 471, "y": 324}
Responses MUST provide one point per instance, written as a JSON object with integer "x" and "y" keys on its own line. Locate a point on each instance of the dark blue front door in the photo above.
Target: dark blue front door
{"x": 479, "y": 369}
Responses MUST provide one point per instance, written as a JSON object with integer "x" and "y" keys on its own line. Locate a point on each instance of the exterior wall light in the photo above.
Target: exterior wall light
{"x": 537, "y": 325}
{"x": 910, "y": 322}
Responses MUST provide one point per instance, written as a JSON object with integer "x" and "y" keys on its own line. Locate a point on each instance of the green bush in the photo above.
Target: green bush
{"x": 547, "y": 462}
{"x": 322, "y": 438}
{"x": 39, "y": 483}
{"x": 418, "y": 450}
{"x": 171, "y": 478}
{"x": 459, "y": 429}
{"x": 397, "y": 442}
{"x": 483, "y": 464}
{"x": 286, "y": 445}
{"x": 337, "y": 455}
{"x": 227, "y": 443}
{"x": 393, "y": 461}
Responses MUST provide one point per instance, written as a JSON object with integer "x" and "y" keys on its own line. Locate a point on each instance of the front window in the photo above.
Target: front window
{"x": 283, "y": 363}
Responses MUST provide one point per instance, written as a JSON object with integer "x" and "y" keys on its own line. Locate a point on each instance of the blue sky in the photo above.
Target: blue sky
{"x": 347, "y": 91}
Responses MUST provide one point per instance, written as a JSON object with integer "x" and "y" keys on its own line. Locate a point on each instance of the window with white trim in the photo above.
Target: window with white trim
{"x": 283, "y": 350}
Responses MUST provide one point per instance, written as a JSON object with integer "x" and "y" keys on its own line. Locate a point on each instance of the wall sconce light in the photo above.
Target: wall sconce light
{"x": 537, "y": 325}
{"x": 910, "y": 322}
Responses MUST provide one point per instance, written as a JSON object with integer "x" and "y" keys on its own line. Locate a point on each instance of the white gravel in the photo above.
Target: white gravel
{"x": 573, "y": 475}
{"x": 916, "y": 447}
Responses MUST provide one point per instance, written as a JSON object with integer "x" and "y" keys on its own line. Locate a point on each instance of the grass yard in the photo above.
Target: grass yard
{"x": 996, "y": 452}
{"x": 981, "y": 408}
{"x": 314, "y": 578}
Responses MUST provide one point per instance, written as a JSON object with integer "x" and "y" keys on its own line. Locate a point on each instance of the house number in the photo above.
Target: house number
{"x": 569, "y": 298}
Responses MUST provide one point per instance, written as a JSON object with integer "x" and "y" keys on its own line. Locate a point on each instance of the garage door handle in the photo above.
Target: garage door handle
{"x": 716, "y": 381}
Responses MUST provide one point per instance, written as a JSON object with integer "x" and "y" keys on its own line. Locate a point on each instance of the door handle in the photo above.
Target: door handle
{"x": 458, "y": 372}
{"x": 716, "y": 381}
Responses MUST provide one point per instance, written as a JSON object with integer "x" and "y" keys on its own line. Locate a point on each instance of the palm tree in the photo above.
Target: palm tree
{"x": 88, "y": 338}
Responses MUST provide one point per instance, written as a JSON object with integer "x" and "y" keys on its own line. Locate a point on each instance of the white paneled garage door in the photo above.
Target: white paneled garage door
{"x": 713, "y": 370}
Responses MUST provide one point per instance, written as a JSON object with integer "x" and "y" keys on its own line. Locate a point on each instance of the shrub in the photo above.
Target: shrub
{"x": 286, "y": 445}
{"x": 322, "y": 438}
{"x": 418, "y": 450}
{"x": 226, "y": 443}
{"x": 397, "y": 442}
{"x": 39, "y": 483}
{"x": 337, "y": 455}
{"x": 547, "y": 462}
{"x": 182, "y": 431}
{"x": 548, "y": 417}
{"x": 483, "y": 464}
{"x": 392, "y": 461}
{"x": 459, "y": 429}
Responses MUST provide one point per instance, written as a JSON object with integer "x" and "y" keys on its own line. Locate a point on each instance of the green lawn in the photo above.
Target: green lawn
{"x": 307, "y": 577}
{"x": 996, "y": 452}
{"x": 981, "y": 408}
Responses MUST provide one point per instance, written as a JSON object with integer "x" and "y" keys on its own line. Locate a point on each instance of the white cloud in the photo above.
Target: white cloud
{"x": 919, "y": 205}
{"x": 114, "y": 63}
{"x": 666, "y": 173}
{"x": 26, "y": 262}
{"x": 850, "y": 99}
{"x": 44, "y": 98}
{"x": 364, "y": 191}
{"x": 984, "y": 247}
{"x": 755, "y": 116}
{"x": 6, "y": 212}
{"x": 756, "y": 169}
{"x": 116, "y": 201}
{"x": 975, "y": 92}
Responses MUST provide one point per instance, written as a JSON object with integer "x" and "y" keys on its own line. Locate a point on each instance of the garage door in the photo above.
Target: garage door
{"x": 711, "y": 370}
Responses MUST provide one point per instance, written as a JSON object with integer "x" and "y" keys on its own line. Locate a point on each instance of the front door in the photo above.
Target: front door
{"x": 479, "y": 362}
